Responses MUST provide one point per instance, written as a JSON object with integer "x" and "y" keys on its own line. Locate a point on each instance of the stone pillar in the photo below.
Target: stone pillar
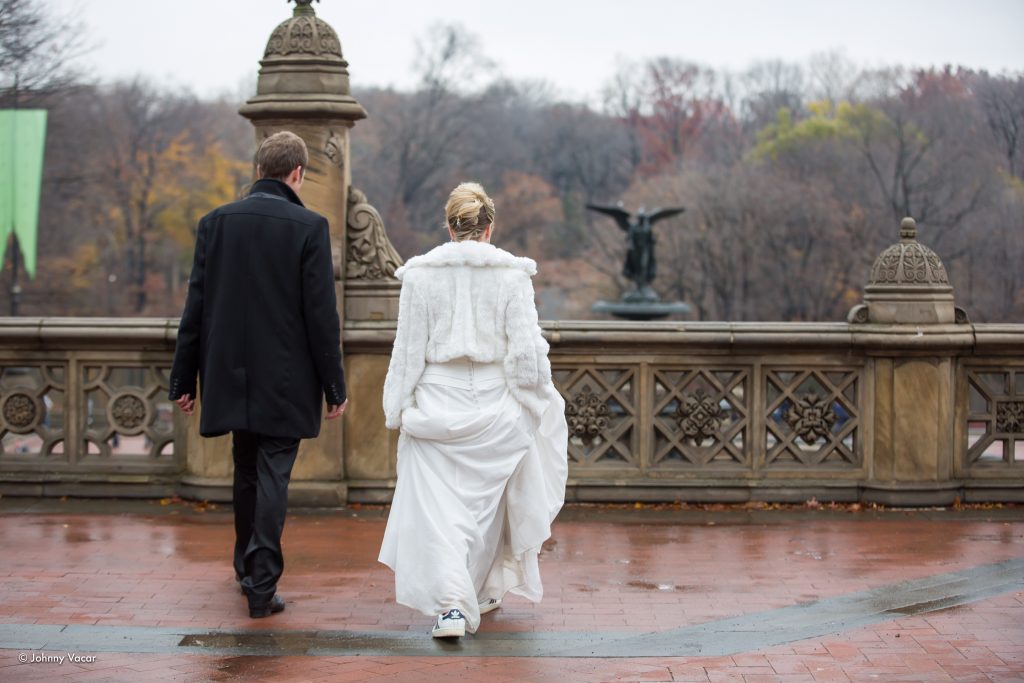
{"x": 303, "y": 87}
{"x": 371, "y": 309}
{"x": 914, "y": 330}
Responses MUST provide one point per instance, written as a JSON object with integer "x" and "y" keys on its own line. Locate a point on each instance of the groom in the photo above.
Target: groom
{"x": 261, "y": 329}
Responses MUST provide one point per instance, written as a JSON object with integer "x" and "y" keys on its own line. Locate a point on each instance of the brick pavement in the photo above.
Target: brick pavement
{"x": 148, "y": 566}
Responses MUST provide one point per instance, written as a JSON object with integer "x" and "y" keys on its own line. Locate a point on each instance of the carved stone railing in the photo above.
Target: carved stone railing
{"x": 990, "y": 406}
{"x": 84, "y": 409}
{"x": 718, "y": 411}
{"x": 716, "y": 403}
{"x": 657, "y": 411}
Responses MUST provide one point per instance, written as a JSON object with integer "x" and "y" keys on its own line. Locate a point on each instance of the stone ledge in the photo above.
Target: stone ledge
{"x": 994, "y": 495}
{"x": 321, "y": 494}
{"x": 723, "y": 337}
{"x": 316, "y": 494}
{"x": 158, "y": 334}
{"x": 88, "y": 489}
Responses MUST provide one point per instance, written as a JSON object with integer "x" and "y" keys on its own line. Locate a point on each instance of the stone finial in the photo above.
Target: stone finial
{"x": 303, "y": 73}
{"x": 908, "y": 229}
{"x": 304, "y": 35}
{"x": 908, "y": 263}
{"x": 908, "y": 284}
{"x": 303, "y": 6}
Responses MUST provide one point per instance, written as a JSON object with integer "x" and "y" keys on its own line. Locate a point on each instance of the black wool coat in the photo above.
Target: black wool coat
{"x": 260, "y": 325}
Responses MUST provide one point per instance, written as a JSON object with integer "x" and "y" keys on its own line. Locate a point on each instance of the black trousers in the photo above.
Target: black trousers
{"x": 263, "y": 468}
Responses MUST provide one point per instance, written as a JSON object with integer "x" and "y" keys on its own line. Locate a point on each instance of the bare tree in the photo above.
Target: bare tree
{"x": 664, "y": 103}
{"x": 427, "y": 130}
{"x": 834, "y": 77}
{"x": 586, "y": 156}
{"x": 1001, "y": 99}
{"x": 770, "y": 86}
{"x": 922, "y": 159}
{"x": 37, "y": 52}
{"x": 154, "y": 146}
{"x": 623, "y": 99}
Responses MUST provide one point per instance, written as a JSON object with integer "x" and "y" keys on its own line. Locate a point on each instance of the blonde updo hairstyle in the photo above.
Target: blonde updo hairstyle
{"x": 469, "y": 211}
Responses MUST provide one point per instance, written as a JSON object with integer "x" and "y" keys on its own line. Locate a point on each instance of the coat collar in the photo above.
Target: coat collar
{"x": 469, "y": 253}
{"x": 276, "y": 188}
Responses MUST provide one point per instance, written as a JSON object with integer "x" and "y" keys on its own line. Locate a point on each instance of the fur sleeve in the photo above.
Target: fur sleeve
{"x": 408, "y": 357}
{"x": 527, "y": 368}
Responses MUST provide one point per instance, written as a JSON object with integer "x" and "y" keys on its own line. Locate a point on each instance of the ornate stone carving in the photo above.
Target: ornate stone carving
{"x": 994, "y": 423}
{"x": 20, "y": 411}
{"x": 303, "y": 75}
{"x": 587, "y": 414}
{"x": 811, "y": 417}
{"x": 128, "y": 412}
{"x": 699, "y": 416}
{"x": 858, "y": 314}
{"x": 335, "y": 149}
{"x": 908, "y": 262}
{"x": 303, "y": 34}
{"x": 908, "y": 285}
{"x": 1010, "y": 417}
{"x": 935, "y": 266}
{"x": 370, "y": 255}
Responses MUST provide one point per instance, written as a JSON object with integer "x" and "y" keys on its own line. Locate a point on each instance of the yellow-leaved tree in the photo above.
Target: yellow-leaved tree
{"x": 162, "y": 170}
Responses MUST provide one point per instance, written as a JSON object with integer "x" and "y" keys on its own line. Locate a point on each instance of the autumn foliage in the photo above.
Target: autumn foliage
{"x": 794, "y": 176}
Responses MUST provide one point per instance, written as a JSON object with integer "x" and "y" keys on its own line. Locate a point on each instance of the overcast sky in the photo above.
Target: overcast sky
{"x": 213, "y": 46}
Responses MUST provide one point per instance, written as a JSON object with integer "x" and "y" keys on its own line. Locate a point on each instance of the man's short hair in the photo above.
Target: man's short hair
{"x": 280, "y": 154}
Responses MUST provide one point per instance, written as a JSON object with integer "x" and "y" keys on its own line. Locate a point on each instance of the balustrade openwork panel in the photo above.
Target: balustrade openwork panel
{"x": 33, "y": 403}
{"x": 701, "y": 417}
{"x": 995, "y": 416}
{"x": 812, "y": 417}
{"x": 601, "y": 408}
{"x": 69, "y": 411}
{"x": 716, "y": 419}
{"x": 127, "y": 414}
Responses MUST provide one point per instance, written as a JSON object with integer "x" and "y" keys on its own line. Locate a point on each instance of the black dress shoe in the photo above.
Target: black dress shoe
{"x": 275, "y": 605}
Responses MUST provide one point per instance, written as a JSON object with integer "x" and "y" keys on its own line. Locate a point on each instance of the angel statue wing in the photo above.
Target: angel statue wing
{"x": 656, "y": 215}
{"x": 620, "y": 215}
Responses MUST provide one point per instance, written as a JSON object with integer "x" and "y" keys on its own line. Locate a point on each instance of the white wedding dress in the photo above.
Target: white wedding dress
{"x": 481, "y": 458}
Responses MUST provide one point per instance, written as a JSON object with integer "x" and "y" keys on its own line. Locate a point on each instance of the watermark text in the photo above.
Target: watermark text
{"x": 55, "y": 658}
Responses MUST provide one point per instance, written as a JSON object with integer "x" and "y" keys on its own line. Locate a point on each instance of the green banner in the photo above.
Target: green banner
{"x": 22, "y": 144}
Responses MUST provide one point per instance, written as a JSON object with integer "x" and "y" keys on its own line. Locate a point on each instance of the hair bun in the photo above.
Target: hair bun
{"x": 469, "y": 211}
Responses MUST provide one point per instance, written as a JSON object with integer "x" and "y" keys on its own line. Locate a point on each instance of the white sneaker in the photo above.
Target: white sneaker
{"x": 490, "y": 605}
{"x": 450, "y": 624}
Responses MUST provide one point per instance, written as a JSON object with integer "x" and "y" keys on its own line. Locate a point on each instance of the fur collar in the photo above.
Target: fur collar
{"x": 469, "y": 253}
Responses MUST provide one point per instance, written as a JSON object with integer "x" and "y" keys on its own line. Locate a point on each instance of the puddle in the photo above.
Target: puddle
{"x": 648, "y": 586}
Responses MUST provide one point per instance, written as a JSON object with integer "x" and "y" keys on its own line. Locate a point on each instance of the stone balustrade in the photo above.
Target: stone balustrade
{"x": 898, "y": 414}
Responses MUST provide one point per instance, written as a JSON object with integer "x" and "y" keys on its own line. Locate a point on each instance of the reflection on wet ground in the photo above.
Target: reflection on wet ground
{"x": 721, "y": 637}
{"x": 618, "y": 583}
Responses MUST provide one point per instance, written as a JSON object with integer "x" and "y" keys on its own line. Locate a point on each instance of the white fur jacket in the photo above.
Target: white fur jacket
{"x": 467, "y": 299}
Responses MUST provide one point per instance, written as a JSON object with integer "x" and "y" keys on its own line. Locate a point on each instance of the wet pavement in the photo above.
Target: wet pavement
{"x": 141, "y": 591}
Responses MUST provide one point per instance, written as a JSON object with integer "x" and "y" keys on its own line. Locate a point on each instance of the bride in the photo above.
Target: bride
{"x": 482, "y": 450}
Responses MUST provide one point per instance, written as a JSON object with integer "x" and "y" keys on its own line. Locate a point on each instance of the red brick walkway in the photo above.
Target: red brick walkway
{"x": 148, "y": 566}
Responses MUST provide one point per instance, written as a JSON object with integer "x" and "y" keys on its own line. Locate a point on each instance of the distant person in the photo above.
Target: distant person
{"x": 482, "y": 453}
{"x": 261, "y": 329}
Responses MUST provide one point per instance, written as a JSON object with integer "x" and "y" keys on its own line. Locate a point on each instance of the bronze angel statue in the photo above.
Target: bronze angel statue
{"x": 640, "y": 266}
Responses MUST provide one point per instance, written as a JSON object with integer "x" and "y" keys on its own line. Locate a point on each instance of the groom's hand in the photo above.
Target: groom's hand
{"x": 334, "y": 412}
{"x": 187, "y": 404}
